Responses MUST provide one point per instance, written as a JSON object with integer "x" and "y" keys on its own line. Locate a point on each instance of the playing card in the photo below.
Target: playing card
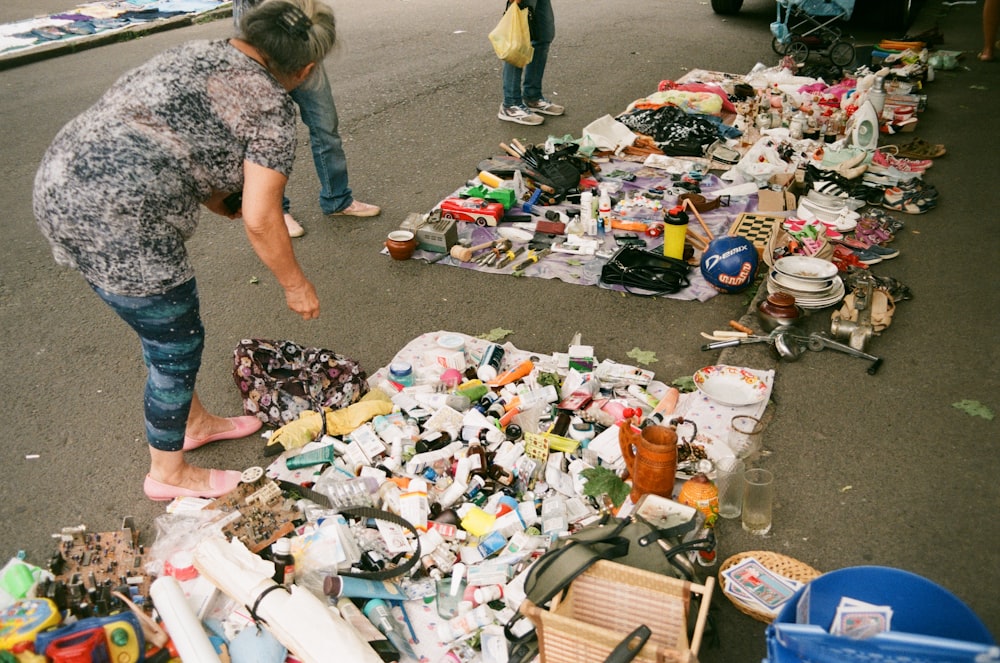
{"x": 752, "y": 581}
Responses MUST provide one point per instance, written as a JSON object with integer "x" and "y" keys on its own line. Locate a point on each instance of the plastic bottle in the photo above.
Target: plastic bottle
{"x": 489, "y": 365}
{"x": 674, "y": 231}
{"x": 353, "y": 615}
{"x": 284, "y": 562}
{"x": 876, "y": 95}
{"x": 604, "y": 211}
{"x": 587, "y": 208}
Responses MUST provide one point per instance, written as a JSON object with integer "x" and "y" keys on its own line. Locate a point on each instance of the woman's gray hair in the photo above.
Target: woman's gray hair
{"x": 290, "y": 33}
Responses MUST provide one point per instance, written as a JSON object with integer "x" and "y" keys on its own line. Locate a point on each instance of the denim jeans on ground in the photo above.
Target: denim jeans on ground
{"x": 172, "y": 336}
{"x": 520, "y": 85}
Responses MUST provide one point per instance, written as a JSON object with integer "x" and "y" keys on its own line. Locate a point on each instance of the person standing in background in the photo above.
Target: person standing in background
{"x": 523, "y": 101}
{"x": 319, "y": 114}
{"x": 991, "y": 18}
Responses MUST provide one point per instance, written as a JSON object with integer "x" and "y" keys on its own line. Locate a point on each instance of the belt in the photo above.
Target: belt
{"x": 703, "y": 204}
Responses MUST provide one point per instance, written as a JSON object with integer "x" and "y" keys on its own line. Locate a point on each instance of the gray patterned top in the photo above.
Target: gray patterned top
{"x": 118, "y": 191}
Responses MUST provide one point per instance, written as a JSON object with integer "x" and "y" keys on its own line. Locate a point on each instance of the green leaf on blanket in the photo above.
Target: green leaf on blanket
{"x": 684, "y": 384}
{"x": 602, "y": 481}
{"x": 974, "y": 408}
{"x": 496, "y": 334}
{"x": 644, "y": 357}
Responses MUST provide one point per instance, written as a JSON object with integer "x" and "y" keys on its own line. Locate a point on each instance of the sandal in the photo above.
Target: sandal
{"x": 919, "y": 148}
{"x": 888, "y": 222}
{"x": 907, "y": 202}
{"x": 870, "y": 231}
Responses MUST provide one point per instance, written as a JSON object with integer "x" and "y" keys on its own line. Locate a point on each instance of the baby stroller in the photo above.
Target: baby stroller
{"x": 804, "y": 26}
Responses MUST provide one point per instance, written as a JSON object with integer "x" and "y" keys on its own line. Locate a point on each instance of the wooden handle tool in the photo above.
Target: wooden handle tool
{"x": 465, "y": 253}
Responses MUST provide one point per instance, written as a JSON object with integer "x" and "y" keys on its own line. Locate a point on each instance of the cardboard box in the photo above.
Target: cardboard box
{"x": 779, "y": 197}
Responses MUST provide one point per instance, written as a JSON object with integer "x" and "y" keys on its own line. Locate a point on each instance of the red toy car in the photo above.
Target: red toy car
{"x": 472, "y": 210}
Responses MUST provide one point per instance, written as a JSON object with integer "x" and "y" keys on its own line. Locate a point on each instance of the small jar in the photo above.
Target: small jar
{"x": 401, "y": 372}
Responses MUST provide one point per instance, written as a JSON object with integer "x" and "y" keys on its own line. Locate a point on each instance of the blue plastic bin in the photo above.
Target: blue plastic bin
{"x": 929, "y": 623}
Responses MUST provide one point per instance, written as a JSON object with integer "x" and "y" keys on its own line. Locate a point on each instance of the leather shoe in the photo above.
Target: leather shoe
{"x": 220, "y": 482}
{"x": 242, "y": 427}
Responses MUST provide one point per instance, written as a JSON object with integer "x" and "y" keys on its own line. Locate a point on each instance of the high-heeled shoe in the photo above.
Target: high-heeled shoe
{"x": 220, "y": 482}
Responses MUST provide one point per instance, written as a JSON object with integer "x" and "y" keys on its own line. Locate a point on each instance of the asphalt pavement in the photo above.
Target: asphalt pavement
{"x": 871, "y": 470}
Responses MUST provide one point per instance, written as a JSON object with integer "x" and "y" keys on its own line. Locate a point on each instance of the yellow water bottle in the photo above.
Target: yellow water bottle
{"x": 674, "y": 231}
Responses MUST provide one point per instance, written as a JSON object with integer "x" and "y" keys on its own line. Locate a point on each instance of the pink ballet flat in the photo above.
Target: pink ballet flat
{"x": 220, "y": 482}
{"x": 242, "y": 427}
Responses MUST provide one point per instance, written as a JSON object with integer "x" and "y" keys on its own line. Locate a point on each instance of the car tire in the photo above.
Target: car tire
{"x": 727, "y": 7}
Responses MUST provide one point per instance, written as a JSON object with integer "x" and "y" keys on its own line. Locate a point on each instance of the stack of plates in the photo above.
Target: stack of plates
{"x": 812, "y": 281}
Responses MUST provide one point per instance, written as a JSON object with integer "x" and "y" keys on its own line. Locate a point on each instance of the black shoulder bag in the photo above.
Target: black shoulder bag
{"x": 635, "y": 268}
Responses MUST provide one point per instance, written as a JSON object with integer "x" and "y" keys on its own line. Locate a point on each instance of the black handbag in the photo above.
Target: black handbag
{"x": 635, "y": 268}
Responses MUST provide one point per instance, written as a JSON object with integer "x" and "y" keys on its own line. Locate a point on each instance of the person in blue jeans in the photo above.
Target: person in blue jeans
{"x": 319, "y": 114}
{"x": 523, "y": 101}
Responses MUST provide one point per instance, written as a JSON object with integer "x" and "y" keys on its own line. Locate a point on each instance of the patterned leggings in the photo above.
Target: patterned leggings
{"x": 169, "y": 327}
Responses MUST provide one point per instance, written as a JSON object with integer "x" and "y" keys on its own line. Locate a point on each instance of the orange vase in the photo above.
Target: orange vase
{"x": 650, "y": 458}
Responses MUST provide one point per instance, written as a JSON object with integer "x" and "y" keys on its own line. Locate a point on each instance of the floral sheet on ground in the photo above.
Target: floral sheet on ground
{"x": 711, "y": 418}
{"x": 583, "y": 269}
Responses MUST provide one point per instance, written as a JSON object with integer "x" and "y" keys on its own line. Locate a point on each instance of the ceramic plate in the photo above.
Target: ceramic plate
{"x": 813, "y": 300}
{"x": 806, "y": 267}
{"x": 802, "y": 285}
{"x": 730, "y": 385}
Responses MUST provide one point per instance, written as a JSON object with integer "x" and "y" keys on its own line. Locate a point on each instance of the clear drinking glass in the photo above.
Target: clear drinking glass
{"x": 745, "y": 436}
{"x": 758, "y": 499}
{"x": 729, "y": 480}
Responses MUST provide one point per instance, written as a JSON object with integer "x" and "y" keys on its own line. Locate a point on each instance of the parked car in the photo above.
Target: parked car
{"x": 472, "y": 210}
{"x": 894, "y": 15}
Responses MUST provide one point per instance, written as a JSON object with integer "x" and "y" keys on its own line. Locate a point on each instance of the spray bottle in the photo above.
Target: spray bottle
{"x": 603, "y": 211}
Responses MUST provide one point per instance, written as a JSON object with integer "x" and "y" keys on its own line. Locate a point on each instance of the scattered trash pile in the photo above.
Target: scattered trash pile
{"x": 464, "y": 463}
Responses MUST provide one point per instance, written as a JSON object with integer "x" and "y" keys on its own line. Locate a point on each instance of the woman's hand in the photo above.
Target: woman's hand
{"x": 303, "y": 300}
{"x": 264, "y": 222}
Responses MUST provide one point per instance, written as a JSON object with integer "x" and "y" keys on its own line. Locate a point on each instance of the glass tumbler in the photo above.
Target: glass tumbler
{"x": 758, "y": 500}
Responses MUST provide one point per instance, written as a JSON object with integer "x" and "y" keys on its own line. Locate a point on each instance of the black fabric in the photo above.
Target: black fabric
{"x": 675, "y": 132}
{"x": 654, "y": 274}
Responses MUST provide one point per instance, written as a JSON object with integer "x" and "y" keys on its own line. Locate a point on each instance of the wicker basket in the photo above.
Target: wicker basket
{"x": 607, "y": 602}
{"x": 780, "y": 564}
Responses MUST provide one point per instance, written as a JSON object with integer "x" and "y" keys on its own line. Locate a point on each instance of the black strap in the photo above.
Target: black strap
{"x": 256, "y": 604}
{"x": 365, "y": 513}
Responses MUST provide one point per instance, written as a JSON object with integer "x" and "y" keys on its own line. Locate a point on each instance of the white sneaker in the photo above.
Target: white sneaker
{"x": 294, "y": 229}
{"x": 519, "y": 114}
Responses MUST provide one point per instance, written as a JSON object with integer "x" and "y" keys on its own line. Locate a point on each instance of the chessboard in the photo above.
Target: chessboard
{"x": 757, "y": 228}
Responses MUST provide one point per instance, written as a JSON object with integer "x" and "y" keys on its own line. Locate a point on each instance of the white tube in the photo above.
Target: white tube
{"x": 182, "y": 624}
{"x": 299, "y": 620}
